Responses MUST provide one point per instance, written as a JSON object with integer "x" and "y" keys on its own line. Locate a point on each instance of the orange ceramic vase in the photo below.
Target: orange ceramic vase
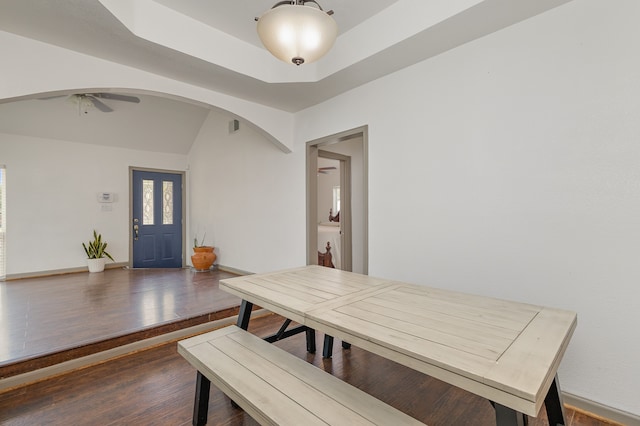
{"x": 203, "y": 258}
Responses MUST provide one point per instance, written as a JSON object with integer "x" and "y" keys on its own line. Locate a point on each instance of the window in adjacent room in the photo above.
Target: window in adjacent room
{"x": 336, "y": 199}
{"x": 3, "y": 216}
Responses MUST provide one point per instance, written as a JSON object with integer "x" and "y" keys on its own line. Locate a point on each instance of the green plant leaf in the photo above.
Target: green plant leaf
{"x": 96, "y": 248}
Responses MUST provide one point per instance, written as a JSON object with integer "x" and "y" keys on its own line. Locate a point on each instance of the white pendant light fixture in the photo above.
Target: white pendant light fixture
{"x": 295, "y": 31}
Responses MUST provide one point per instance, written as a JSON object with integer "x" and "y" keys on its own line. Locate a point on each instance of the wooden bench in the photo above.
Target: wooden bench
{"x": 275, "y": 387}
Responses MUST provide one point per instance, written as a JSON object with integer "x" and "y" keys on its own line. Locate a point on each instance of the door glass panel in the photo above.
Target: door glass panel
{"x": 147, "y": 202}
{"x": 167, "y": 202}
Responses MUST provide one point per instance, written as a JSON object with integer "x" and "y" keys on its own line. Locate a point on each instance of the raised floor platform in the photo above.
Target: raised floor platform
{"x": 54, "y": 319}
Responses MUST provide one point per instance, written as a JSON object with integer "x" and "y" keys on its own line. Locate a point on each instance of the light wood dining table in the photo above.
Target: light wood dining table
{"x": 507, "y": 352}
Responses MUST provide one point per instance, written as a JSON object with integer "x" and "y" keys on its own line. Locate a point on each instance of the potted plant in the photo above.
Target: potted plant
{"x": 96, "y": 253}
{"x": 203, "y": 256}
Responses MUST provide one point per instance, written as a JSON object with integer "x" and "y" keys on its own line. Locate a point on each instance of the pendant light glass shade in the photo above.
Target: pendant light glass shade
{"x": 297, "y": 33}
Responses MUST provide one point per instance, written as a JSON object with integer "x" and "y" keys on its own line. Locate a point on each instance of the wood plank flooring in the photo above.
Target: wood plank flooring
{"x": 156, "y": 387}
{"x": 46, "y": 320}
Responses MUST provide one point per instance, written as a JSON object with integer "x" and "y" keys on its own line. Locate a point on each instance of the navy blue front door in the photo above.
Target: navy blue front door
{"x": 157, "y": 220}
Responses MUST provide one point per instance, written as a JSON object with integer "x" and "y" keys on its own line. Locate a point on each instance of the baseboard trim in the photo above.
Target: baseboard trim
{"x": 597, "y": 410}
{"x": 114, "y": 265}
{"x": 50, "y": 372}
{"x": 233, "y": 270}
{"x": 40, "y": 274}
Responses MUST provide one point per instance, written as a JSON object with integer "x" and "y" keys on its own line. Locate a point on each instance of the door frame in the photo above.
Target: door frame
{"x": 182, "y": 202}
{"x": 346, "y": 255}
{"x": 312, "y": 151}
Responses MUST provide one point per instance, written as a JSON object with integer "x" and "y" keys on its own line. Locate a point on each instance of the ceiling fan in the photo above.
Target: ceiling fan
{"x": 325, "y": 170}
{"x": 86, "y": 101}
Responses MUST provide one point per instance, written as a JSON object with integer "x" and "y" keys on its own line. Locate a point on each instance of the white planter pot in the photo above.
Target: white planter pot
{"x": 96, "y": 265}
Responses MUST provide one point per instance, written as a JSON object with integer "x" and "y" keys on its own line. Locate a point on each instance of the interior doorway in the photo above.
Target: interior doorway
{"x": 334, "y": 208}
{"x": 347, "y": 152}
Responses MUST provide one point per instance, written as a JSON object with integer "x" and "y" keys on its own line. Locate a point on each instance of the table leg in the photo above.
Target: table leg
{"x": 201, "y": 403}
{"x": 245, "y": 314}
{"x": 506, "y": 416}
{"x": 311, "y": 340}
{"x": 327, "y": 350}
{"x": 554, "y": 405}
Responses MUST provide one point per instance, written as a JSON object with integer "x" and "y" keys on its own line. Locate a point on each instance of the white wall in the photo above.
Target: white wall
{"x": 248, "y": 196}
{"x": 51, "y": 199}
{"x": 509, "y": 167}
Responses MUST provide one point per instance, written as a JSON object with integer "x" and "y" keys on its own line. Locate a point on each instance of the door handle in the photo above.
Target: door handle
{"x": 135, "y": 231}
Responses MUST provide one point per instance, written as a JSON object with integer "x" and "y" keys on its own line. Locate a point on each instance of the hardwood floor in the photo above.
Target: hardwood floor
{"x": 156, "y": 387}
{"x": 47, "y": 319}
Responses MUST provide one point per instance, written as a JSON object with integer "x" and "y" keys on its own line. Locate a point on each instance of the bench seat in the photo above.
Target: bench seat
{"x": 277, "y": 388}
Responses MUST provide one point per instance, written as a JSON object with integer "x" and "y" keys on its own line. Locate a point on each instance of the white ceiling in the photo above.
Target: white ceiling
{"x": 236, "y": 18}
{"x": 213, "y": 44}
{"x": 155, "y": 124}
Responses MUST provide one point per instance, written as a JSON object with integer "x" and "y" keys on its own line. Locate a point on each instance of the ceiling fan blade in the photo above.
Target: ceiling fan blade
{"x": 327, "y": 168}
{"x": 52, "y": 97}
{"x": 116, "y": 97}
{"x": 99, "y": 104}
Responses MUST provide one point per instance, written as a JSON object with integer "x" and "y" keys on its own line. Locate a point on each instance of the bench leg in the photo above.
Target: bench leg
{"x": 554, "y": 405}
{"x": 245, "y": 314}
{"x": 327, "y": 350}
{"x": 201, "y": 403}
{"x": 506, "y": 416}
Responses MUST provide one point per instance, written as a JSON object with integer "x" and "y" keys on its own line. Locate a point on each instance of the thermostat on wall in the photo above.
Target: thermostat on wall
{"x": 106, "y": 197}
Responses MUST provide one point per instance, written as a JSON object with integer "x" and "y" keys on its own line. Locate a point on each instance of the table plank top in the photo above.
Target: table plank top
{"x": 505, "y": 351}
{"x": 291, "y": 293}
